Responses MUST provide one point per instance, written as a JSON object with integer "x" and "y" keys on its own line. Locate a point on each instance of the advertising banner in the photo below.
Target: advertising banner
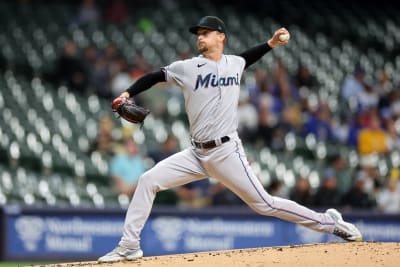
{"x": 172, "y": 234}
{"x": 86, "y": 236}
{"x": 35, "y": 236}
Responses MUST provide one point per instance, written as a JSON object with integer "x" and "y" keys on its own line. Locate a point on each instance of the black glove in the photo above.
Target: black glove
{"x": 128, "y": 110}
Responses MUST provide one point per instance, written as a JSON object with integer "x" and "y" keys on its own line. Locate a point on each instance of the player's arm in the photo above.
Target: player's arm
{"x": 255, "y": 53}
{"x": 143, "y": 83}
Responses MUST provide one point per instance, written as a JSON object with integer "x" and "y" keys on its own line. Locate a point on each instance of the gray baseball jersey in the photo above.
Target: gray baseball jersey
{"x": 211, "y": 91}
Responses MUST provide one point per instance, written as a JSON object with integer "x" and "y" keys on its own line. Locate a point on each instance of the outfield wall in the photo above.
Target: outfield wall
{"x": 84, "y": 234}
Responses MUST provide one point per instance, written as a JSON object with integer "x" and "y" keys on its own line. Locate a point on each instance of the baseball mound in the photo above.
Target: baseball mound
{"x": 331, "y": 254}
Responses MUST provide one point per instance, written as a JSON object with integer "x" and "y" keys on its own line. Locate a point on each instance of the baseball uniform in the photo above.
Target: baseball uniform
{"x": 211, "y": 92}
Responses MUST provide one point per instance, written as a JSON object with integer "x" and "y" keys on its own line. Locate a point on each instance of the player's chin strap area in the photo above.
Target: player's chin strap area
{"x": 210, "y": 144}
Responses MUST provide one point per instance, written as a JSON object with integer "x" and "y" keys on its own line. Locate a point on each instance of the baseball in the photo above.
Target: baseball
{"x": 284, "y": 37}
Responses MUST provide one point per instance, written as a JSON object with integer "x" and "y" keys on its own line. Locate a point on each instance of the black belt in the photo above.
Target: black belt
{"x": 211, "y": 144}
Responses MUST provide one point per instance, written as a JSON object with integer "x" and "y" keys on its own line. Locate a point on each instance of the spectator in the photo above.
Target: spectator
{"x": 385, "y": 83}
{"x": 104, "y": 142}
{"x": 343, "y": 173}
{"x": 355, "y": 126}
{"x": 301, "y": 193}
{"x": 126, "y": 168}
{"x": 283, "y": 91}
{"x": 194, "y": 194}
{"x": 169, "y": 147}
{"x": 278, "y": 189}
{"x": 393, "y": 134}
{"x": 260, "y": 88}
{"x": 140, "y": 66}
{"x": 291, "y": 119}
{"x": 88, "y": 12}
{"x": 101, "y": 78}
{"x": 117, "y": 12}
{"x": 386, "y": 101}
{"x": 353, "y": 85}
{"x": 304, "y": 78}
{"x": 389, "y": 198}
{"x": 247, "y": 117}
{"x": 369, "y": 97}
{"x": 265, "y": 122}
{"x": 369, "y": 166}
{"x": 266, "y": 105}
{"x": 270, "y": 129}
{"x": 327, "y": 194}
{"x": 222, "y": 196}
{"x": 319, "y": 124}
{"x": 373, "y": 139}
{"x": 70, "y": 70}
{"x": 356, "y": 197}
{"x": 395, "y": 102}
{"x": 90, "y": 58}
{"x": 111, "y": 55}
{"x": 121, "y": 78}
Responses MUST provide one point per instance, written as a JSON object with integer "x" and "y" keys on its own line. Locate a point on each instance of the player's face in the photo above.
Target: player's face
{"x": 207, "y": 39}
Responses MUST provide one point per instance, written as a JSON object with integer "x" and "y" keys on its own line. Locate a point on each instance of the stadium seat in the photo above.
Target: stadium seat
{"x": 55, "y": 132}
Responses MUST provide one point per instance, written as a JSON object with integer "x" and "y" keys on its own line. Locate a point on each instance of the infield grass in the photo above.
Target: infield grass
{"x": 20, "y": 264}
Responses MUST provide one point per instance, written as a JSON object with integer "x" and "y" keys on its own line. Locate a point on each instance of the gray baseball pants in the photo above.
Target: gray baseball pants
{"x": 226, "y": 163}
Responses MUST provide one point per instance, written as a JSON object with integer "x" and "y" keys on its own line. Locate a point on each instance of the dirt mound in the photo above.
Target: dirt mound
{"x": 331, "y": 254}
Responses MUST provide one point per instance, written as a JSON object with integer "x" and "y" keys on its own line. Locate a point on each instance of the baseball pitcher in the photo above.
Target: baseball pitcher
{"x": 210, "y": 84}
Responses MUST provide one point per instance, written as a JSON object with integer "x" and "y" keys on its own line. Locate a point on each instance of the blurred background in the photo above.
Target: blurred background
{"x": 319, "y": 118}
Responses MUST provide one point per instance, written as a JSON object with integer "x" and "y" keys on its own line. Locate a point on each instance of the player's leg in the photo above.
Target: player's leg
{"x": 234, "y": 171}
{"x": 178, "y": 169}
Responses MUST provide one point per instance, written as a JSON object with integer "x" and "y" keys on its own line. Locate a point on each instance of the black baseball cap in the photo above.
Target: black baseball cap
{"x": 209, "y": 22}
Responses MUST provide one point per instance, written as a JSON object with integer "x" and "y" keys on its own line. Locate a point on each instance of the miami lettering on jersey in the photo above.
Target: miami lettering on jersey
{"x": 211, "y": 79}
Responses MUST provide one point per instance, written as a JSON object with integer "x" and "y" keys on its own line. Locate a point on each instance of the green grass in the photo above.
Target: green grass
{"x": 13, "y": 264}
{"x": 19, "y": 264}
